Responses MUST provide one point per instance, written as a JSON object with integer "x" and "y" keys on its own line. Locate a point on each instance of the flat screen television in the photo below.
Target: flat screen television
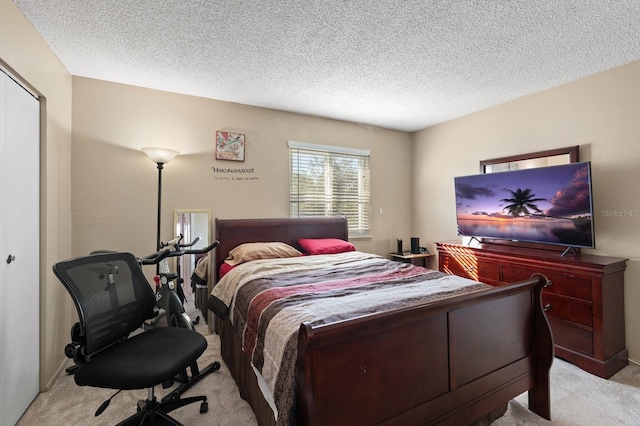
{"x": 552, "y": 205}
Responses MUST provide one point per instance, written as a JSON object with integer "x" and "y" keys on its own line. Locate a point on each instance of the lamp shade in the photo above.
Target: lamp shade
{"x": 160, "y": 155}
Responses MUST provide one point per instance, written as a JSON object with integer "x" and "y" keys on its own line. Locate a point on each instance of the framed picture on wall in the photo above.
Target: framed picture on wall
{"x": 229, "y": 146}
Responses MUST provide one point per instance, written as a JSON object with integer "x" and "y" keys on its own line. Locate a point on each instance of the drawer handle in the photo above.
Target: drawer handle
{"x": 549, "y": 283}
{"x": 470, "y": 268}
{"x": 547, "y": 307}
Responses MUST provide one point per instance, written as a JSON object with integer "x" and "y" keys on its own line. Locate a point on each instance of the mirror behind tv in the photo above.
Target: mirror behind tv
{"x": 546, "y": 205}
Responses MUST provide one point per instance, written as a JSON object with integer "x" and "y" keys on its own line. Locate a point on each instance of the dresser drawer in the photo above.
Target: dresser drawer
{"x": 571, "y": 336}
{"x": 568, "y": 309}
{"x": 562, "y": 283}
{"x": 470, "y": 267}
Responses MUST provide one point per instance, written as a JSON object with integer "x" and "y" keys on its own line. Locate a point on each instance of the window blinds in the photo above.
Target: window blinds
{"x": 330, "y": 181}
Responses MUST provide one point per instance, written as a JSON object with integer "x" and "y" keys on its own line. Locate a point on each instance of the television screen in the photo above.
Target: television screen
{"x": 544, "y": 205}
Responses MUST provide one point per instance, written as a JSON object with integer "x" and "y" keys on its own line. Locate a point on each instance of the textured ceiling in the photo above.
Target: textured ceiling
{"x": 397, "y": 64}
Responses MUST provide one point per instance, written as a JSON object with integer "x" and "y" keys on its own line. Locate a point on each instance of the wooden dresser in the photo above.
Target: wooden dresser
{"x": 584, "y": 298}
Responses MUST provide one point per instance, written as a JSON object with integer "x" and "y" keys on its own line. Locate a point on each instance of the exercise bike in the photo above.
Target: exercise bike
{"x": 170, "y": 303}
{"x": 169, "y": 292}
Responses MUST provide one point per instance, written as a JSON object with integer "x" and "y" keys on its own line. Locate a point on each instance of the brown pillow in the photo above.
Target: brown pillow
{"x": 253, "y": 251}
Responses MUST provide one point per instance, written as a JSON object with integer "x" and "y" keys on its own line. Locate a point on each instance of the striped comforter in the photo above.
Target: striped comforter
{"x": 269, "y": 299}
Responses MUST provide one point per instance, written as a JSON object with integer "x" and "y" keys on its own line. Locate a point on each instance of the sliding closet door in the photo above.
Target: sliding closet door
{"x": 3, "y": 156}
{"x": 19, "y": 249}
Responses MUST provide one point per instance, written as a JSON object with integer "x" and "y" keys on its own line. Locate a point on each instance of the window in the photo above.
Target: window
{"x": 330, "y": 181}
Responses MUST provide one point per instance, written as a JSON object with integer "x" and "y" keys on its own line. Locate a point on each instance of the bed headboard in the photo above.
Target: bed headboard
{"x": 233, "y": 232}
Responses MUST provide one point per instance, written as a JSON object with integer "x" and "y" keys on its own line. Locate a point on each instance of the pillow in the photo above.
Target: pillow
{"x": 224, "y": 268}
{"x": 325, "y": 245}
{"x": 253, "y": 251}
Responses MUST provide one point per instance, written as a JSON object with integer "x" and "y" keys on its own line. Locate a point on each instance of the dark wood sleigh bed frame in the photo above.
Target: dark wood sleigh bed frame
{"x": 479, "y": 350}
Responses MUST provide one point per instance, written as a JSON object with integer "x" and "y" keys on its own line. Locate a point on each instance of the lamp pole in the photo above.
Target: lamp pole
{"x": 161, "y": 157}
{"x": 160, "y": 167}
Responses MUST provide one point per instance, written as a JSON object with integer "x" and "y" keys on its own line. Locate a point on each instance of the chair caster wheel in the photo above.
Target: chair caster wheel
{"x": 204, "y": 407}
{"x": 216, "y": 366}
{"x": 175, "y": 395}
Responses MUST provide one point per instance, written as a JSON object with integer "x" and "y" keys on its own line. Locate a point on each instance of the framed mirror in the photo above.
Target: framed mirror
{"x": 549, "y": 157}
{"x": 194, "y": 225}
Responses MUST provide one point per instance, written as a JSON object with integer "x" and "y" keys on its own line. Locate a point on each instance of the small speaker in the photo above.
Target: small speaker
{"x": 415, "y": 245}
{"x": 399, "y": 246}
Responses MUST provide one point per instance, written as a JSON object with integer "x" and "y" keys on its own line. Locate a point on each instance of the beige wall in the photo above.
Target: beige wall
{"x": 24, "y": 51}
{"x": 115, "y": 184}
{"x": 600, "y": 113}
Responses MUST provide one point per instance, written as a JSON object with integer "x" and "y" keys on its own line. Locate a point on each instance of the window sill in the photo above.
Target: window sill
{"x": 360, "y": 237}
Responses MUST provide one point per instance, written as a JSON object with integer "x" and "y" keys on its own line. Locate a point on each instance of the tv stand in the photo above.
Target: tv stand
{"x": 570, "y": 249}
{"x": 584, "y": 299}
{"x": 478, "y": 240}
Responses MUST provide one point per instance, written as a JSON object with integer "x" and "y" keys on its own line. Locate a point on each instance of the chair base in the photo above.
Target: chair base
{"x": 187, "y": 381}
{"x": 152, "y": 413}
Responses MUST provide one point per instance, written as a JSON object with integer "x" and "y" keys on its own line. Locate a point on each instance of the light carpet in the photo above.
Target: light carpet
{"x": 580, "y": 398}
{"x": 577, "y": 398}
{"x": 68, "y": 404}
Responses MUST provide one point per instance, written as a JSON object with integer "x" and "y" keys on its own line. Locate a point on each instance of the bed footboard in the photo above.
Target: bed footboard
{"x": 447, "y": 362}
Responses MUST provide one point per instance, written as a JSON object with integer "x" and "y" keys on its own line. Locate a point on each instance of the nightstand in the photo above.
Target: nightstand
{"x": 408, "y": 257}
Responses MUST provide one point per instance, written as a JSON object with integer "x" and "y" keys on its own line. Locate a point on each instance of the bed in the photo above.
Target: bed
{"x": 456, "y": 360}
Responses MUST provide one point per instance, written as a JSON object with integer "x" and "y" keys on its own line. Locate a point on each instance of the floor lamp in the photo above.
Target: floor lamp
{"x": 160, "y": 156}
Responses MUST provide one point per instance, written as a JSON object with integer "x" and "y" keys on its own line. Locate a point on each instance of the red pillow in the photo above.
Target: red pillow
{"x": 224, "y": 268}
{"x": 325, "y": 245}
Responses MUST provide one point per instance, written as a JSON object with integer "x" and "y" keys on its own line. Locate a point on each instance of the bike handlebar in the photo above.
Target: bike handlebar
{"x": 191, "y": 244}
{"x": 158, "y": 256}
{"x": 177, "y": 244}
{"x": 172, "y": 243}
{"x": 207, "y": 249}
{"x": 155, "y": 258}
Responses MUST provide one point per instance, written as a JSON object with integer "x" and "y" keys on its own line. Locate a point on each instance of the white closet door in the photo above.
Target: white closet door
{"x": 3, "y": 156}
{"x": 20, "y": 255}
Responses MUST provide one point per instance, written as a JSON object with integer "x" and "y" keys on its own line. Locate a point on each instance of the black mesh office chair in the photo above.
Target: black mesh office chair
{"x": 114, "y": 299}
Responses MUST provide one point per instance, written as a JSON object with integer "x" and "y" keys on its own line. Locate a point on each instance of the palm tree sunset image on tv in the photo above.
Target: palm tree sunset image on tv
{"x": 546, "y": 205}
{"x": 520, "y": 203}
